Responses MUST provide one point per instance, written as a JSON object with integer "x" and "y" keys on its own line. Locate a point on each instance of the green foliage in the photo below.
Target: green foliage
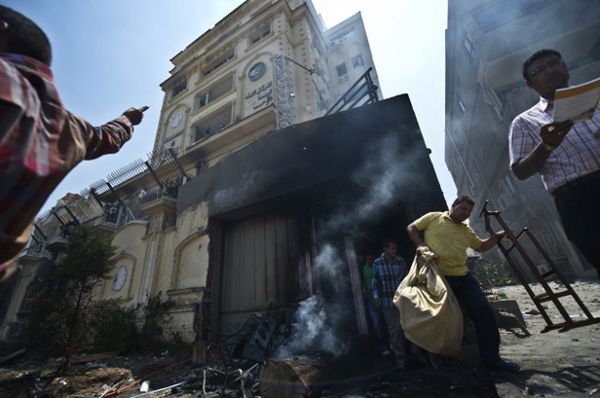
{"x": 59, "y": 319}
{"x": 493, "y": 274}
{"x": 64, "y": 320}
{"x": 156, "y": 314}
{"x": 113, "y": 327}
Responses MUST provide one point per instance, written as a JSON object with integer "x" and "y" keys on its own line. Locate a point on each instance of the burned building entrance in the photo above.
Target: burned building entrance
{"x": 260, "y": 259}
{"x": 304, "y": 201}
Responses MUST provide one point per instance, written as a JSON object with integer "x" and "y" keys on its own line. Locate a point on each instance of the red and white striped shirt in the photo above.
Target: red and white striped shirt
{"x": 578, "y": 154}
{"x": 40, "y": 142}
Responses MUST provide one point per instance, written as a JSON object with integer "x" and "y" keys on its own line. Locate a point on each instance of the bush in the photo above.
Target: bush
{"x": 114, "y": 328}
{"x": 494, "y": 274}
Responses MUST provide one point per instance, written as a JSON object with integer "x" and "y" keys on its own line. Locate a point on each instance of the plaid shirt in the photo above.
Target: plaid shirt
{"x": 40, "y": 142}
{"x": 386, "y": 279}
{"x": 578, "y": 154}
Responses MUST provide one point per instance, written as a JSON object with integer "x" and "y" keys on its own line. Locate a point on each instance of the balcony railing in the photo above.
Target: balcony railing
{"x": 362, "y": 92}
{"x": 105, "y": 203}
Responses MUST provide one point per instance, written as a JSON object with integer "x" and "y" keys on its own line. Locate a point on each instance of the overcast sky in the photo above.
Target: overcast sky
{"x": 113, "y": 54}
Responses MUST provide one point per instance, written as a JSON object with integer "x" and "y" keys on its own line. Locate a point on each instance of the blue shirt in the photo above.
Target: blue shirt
{"x": 386, "y": 278}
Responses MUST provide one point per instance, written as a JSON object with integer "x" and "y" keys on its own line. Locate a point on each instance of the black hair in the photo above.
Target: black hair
{"x": 387, "y": 242}
{"x": 25, "y": 37}
{"x": 534, "y": 57}
{"x": 463, "y": 198}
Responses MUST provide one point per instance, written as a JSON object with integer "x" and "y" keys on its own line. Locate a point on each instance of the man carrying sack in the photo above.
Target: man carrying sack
{"x": 447, "y": 236}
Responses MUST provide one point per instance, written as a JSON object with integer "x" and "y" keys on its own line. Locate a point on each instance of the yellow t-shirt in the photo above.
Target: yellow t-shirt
{"x": 449, "y": 241}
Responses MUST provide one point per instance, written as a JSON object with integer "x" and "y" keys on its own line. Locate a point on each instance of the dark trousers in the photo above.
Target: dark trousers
{"x": 377, "y": 323}
{"x": 467, "y": 291}
{"x": 577, "y": 205}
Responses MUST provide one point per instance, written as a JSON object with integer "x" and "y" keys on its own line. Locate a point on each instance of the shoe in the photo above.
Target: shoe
{"x": 386, "y": 353}
{"x": 437, "y": 361}
{"x": 504, "y": 365}
{"x": 400, "y": 363}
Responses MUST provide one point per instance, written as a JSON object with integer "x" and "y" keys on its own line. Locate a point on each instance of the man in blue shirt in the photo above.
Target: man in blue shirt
{"x": 388, "y": 272}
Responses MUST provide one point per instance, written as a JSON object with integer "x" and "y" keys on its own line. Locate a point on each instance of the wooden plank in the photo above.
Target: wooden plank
{"x": 293, "y": 256}
{"x": 359, "y": 304}
{"x": 271, "y": 260}
{"x": 259, "y": 263}
{"x": 282, "y": 258}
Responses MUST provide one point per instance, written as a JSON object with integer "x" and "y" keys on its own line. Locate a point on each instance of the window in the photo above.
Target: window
{"x": 178, "y": 87}
{"x": 218, "y": 63}
{"x": 213, "y": 124}
{"x": 213, "y": 93}
{"x": 341, "y": 69}
{"x": 357, "y": 61}
{"x": 341, "y": 38}
{"x": 259, "y": 34}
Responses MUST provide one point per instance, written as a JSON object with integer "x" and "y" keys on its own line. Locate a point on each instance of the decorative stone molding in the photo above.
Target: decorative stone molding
{"x": 284, "y": 92}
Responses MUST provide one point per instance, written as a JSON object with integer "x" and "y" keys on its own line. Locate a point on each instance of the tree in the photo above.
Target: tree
{"x": 59, "y": 311}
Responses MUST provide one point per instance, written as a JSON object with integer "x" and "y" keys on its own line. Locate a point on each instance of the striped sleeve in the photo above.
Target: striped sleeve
{"x": 521, "y": 140}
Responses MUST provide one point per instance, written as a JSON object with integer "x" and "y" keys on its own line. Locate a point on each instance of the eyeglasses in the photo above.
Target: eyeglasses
{"x": 553, "y": 63}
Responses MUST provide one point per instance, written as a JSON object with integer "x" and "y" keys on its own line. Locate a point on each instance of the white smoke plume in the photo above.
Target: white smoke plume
{"x": 384, "y": 177}
{"x": 314, "y": 328}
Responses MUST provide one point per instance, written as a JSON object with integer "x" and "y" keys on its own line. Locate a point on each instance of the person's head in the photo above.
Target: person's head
{"x": 20, "y": 35}
{"x": 461, "y": 208}
{"x": 390, "y": 249}
{"x": 545, "y": 72}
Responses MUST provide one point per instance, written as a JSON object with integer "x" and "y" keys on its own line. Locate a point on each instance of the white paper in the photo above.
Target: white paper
{"x": 577, "y": 102}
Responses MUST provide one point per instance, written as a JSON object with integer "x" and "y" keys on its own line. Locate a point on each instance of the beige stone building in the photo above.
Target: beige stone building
{"x": 486, "y": 44}
{"x": 268, "y": 65}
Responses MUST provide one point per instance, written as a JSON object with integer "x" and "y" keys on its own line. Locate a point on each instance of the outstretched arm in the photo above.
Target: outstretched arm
{"x": 109, "y": 137}
{"x": 491, "y": 241}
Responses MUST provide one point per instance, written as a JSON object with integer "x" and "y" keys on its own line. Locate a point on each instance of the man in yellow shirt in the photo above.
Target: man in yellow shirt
{"x": 448, "y": 236}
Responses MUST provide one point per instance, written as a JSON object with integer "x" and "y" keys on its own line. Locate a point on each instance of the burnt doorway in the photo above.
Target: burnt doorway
{"x": 260, "y": 267}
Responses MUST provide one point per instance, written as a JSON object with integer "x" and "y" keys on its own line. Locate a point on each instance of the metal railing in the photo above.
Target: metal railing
{"x": 362, "y": 92}
{"x": 102, "y": 202}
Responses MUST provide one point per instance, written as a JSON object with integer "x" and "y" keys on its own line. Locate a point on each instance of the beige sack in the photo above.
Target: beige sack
{"x": 429, "y": 312}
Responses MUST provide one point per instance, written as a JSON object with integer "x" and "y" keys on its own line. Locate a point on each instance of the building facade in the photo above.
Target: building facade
{"x": 486, "y": 44}
{"x": 267, "y": 66}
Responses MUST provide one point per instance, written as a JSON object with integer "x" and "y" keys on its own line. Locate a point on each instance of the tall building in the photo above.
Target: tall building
{"x": 266, "y": 66}
{"x": 486, "y": 44}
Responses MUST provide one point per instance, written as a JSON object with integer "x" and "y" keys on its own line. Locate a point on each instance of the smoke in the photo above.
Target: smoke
{"x": 385, "y": 177}
{"x": 323, "y": 319}
{"x": 317, "y": 318}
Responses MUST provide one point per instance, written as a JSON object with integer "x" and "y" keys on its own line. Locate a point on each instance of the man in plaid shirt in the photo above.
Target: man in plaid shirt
{"x": 40, "y": 141}
{"x": 388, "y": 272}
{"x": 566, "y": 154}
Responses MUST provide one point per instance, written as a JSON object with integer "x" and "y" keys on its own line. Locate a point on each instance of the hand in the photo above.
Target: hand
{"x": 422, "y": 249}
{"x": 7, "y": 270}
{"x": 499, "y": 235}
{"x": 135, "y": 115}
{"x": 554, "y": 133}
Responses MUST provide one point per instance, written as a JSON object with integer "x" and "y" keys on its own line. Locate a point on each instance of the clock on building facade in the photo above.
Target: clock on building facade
{"x": 175, "y": 119}
{"x": 257, "y": 70}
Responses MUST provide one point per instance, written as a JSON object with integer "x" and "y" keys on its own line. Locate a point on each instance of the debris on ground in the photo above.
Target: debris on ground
{"x": 553, "y": 365}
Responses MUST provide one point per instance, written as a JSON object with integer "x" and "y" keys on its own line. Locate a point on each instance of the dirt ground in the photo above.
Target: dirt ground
{"x": 553, "y": 364}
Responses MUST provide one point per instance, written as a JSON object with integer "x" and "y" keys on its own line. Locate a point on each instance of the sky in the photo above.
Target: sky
{"x": 109, "y": 55}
